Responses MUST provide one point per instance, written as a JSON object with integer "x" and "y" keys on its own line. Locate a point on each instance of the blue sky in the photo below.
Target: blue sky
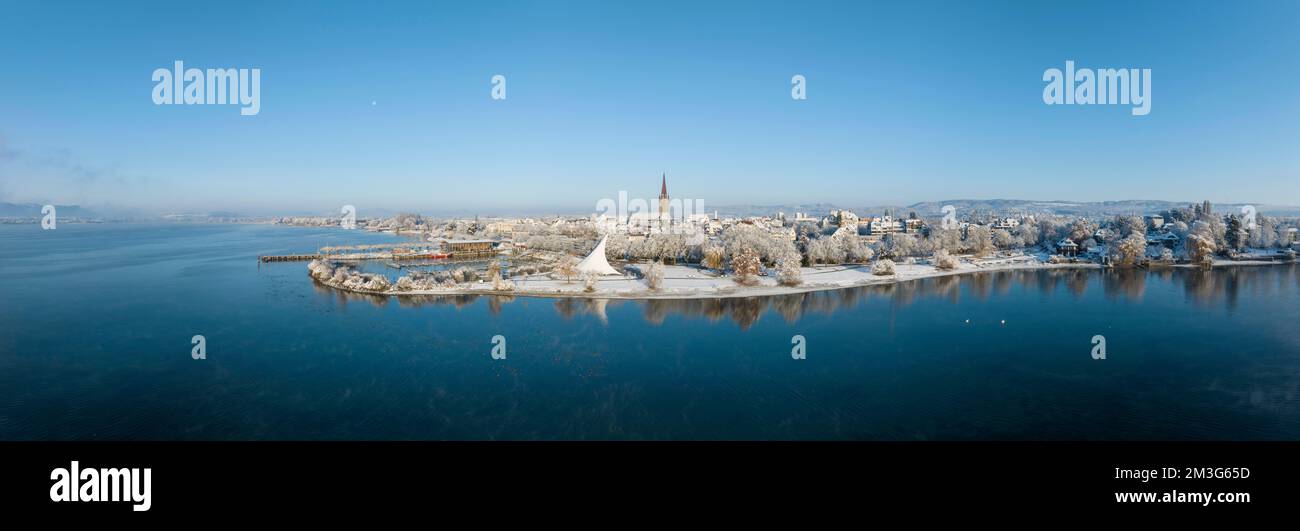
{"x": 388, "y": 105}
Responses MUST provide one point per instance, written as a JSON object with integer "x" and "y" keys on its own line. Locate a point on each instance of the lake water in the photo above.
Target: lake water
{"x": 96, "y": 323}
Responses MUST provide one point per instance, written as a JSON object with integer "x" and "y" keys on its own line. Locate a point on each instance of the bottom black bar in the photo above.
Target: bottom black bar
{"x": 390, "y": 478}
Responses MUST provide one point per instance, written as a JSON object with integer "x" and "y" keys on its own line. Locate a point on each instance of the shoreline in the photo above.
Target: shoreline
{"x": 723, "y": 287}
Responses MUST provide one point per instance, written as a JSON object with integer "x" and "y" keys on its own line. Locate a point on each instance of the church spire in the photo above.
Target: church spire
{"x": 663, "y": 187}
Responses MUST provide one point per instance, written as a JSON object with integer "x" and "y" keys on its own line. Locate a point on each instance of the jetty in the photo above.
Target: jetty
{"x": 287, "y": 257}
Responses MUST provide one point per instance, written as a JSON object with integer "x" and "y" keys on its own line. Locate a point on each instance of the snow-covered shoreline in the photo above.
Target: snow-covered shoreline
{"x": 689, "y": 282}
{"x": 685, "y": 282}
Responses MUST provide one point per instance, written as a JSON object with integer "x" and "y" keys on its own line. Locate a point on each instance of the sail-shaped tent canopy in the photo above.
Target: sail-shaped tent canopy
{"x": 596, "y": 262}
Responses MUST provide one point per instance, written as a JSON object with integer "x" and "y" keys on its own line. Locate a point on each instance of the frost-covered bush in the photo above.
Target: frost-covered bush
{"x": 499, "y": 284}
{"x": 788, "y": 272}
{"x": 883, "y": 266}
{"x": 320, "y": 270}
{"x": 377, "y": 283}
{"x": 944, "y": 261}
{"x": 404, "y": 284}
{"x": 654, "y": 275}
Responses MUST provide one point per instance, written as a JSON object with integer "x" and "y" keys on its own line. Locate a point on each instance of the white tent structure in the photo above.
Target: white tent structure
{"x": 596, "y": 262}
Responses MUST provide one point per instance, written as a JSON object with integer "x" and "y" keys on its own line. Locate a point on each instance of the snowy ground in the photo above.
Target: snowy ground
{"x": 687, "y": 282}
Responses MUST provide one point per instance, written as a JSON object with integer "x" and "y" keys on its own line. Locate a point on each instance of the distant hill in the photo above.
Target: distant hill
{"x": 33, "y": 210}
{"x": 1082, "y": 208}
{"x": 1004, "y": 207}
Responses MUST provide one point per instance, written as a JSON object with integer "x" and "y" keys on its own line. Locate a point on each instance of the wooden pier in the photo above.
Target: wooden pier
{"x": 288, "y": 257}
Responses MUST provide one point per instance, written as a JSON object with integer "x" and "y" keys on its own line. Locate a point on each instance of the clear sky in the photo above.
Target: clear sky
{"x": 387, "y": 104}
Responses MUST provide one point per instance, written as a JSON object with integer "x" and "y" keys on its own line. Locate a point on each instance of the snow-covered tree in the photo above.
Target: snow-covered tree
{"x": 949, "y": 239}
{"x": 788, "y": 272}
{"x": 1129, "y": 251}
{"x": 1003, "y": 239}
{"x": 1200, "y": 248}
{"x": 979, "y": 240}
{"x": 1235, "y": 234}
{"x": 1028, "y": 233}
{"x": 713, "y": 256}
{"x": 896, "y": 245}
{"x": 1081, "y": 230}
{"x": 746, "y": 266}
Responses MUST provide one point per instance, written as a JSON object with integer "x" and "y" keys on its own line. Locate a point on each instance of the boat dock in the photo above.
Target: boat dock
{"x": 288, "y": 257}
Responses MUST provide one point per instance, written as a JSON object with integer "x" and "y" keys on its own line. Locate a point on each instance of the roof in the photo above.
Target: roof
{"x": 596, "y": 262}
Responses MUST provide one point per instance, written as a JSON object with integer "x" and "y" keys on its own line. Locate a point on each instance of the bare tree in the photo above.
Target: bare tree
{"x": 567, "y": 268}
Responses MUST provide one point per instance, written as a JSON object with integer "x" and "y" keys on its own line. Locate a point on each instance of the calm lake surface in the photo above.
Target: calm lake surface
{"x": 96, "y": 322}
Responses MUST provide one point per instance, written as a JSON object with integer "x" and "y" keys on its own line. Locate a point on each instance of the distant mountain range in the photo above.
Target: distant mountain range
{"x": 928, "y": 208}
{"x": 1004, "y": 207}
{"x": 33, "y": 210}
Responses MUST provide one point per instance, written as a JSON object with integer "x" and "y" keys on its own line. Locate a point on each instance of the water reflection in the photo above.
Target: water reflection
{"x": 1220, "y": 286}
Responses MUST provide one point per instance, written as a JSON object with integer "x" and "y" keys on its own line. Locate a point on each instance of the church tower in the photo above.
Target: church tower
{"x": 664, "y": 214}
